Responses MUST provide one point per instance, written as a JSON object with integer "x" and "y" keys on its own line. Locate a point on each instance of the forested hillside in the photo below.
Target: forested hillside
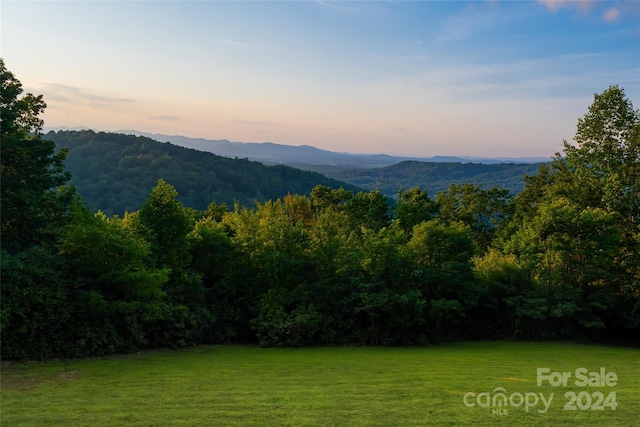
{"x": 431, "y": 176}
{"x": 558, "y": 261}
{"x": 115, "y": 173}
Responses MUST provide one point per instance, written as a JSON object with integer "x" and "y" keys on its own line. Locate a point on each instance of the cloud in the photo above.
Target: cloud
{"x": 65, "y": 93}
{"x": 466, "y": 81}
{"x": 613, "y": 11}
{"x": 611, "y": 15}
{"x": 555, "y": 5}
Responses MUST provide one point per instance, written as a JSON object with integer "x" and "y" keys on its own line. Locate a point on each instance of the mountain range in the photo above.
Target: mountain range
{"x": 272, "y": 153}
{"x": 115, "y": 171}
{"x": 303, "y": 155}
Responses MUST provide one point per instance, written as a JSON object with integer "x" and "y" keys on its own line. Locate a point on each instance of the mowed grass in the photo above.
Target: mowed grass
{"x": 250, "y": 386}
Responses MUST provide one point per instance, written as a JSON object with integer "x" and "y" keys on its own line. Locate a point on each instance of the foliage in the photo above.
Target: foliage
{"x": 414, "y": 207}
{"x": 560, "y": 260}
{"x": 33, "y": 201}
{"x": 483, "y": 211}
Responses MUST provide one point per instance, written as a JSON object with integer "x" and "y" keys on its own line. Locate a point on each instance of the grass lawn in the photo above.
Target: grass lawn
{"x": 250, "y": 386}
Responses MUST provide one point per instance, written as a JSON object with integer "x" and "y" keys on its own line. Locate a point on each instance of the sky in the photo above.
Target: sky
{"x": 417, "y": 78}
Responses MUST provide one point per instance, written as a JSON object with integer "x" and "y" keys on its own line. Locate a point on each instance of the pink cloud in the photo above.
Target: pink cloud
{"x": 609, "y": 11}
{"x": 555, "y": 5}
{"x": 611, "y": 15}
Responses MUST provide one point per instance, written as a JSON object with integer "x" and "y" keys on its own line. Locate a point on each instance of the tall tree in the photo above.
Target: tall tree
{"x": 33, "y": 205}
{"x": 163, "y": 223}
{"x": 602, "y": 170}
{"x": 581, "y": 218}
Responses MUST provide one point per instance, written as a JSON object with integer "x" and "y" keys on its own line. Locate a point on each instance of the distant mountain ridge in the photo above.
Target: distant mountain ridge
{"x": 272, "y": 153}
{"x": 300, "y": 155}
{"x": 92, "y": 156}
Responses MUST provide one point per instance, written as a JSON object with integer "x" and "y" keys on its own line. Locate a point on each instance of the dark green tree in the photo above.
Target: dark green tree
{"x": 323, "y": 197}
{"x": 226, "y": 294}
{"x": 34, "y": 208}
{"x": 483, "y": 211}
{"x": 602, "y": 170}
{"x": 414, "y": 206}
{"x": 37, "y": 310}
{"x": 569, "y": 252}
{"x": 116, "y": 295}
{"x": 441, "y": 253}
{"x": 369, "y": 210}
{"x": 164, "y": 223}
{"x": 577, "y": 222}
{"x": 511, "y": 304}
{"x": 106, "y": 257}
{"x": 33, "y": 203}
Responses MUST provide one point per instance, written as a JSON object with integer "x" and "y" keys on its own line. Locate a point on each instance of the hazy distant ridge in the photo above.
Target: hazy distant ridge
{"x": 269, "y": 152}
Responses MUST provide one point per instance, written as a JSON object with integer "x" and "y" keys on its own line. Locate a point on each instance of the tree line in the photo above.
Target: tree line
{"x": 335, "y": 267}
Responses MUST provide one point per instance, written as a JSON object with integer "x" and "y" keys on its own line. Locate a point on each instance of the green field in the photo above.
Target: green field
{"x": 238, "y": 386}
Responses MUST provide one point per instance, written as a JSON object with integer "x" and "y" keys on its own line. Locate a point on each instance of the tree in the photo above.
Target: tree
{"x": 442, "y": 254}
{"x": 116, "y": 295}
{"x": 323, "y": 197}
{"x": 368, "y": 209}
{"x": 387, "y": 309}
{"x": 163, "y": 223}
{"x": 33, "y": 203}
{"x": 577, "y": 222}
{"x": 274, "y": 239}
{"x": 511, "y": 304}
{"x": 36, "y": 307}
{"x": 19, "y": 116}
{"x": 414, "y": 206}
{"x": 108, "y": 258}
{"x": 483, "y": 211}
{"x": 602, "y": 170}
{"x": 216, "y": 259}
{"x": 569, "y": 252}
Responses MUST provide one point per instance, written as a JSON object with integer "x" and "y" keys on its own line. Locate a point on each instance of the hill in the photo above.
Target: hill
{"x": 272, "y": 153}
{"x": 116, "y": 172}
{"x": 433, "y": 176}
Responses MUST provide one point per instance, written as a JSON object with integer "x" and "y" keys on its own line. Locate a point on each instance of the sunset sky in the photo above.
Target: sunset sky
{"x": 419, "y": 78}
